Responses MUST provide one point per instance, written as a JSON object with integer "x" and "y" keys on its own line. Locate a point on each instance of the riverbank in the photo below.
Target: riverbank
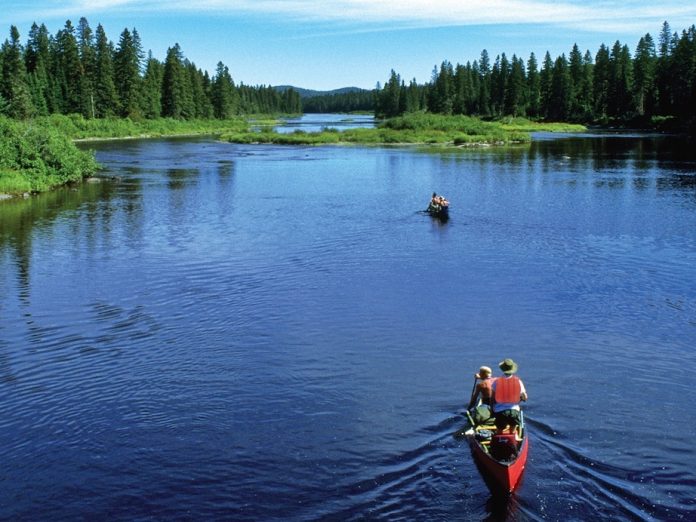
{"x": 40, "y": 154}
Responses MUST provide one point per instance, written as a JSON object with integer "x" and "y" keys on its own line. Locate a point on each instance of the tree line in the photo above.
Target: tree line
{"x": 353, "y": 101}
{"x": 658, "y": 80}
{"x": 80, "y": 71}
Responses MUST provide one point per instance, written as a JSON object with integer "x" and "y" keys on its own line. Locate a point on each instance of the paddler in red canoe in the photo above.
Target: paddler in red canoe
{"x": 508, "y": 391}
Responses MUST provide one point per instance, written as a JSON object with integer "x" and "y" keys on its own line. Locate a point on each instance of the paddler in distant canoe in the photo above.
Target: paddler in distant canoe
{"x": 437, "y": 201}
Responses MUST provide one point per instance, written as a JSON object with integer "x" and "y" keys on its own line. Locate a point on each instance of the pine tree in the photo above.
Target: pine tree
{"x": 533, "y": 87}
{"x": 664, "y": 71}
{"x": 68, "y": 71}
{"x": 576, "y": 70}
{"x": 644, "y": 75}
{"x": 88, "y": 60}
{"x": 127, "y": 73}
{"x": 560, "y": 96}
{"x": 105, "y": 97}
{"x": 13, "y": 83}
{"x": 484, "y": 95}
{"x": 389, "y": 99}
{"x": 545, "y": 84}
{"x": 202, "y": 108}
{"x": 224, "y": 96}
{"x": 600, "y": 83}
{"x": 177, "y": 101}
{"x": 516, "y": 94}
{"x": 37, "y": 62}
{"x": 151, "y": 99}
{"x": 619, "y": 102}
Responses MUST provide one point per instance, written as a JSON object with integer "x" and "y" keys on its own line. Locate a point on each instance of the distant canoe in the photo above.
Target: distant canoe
{"x": 438, "y": 210}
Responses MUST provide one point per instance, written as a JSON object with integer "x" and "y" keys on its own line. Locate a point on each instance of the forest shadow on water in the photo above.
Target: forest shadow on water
{"x": 280, "y": 333}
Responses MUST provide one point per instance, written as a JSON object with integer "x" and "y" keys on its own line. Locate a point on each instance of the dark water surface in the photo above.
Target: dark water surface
{"x": 274, "y": 333}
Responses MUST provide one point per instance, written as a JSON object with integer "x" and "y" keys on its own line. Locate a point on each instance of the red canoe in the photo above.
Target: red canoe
{"x": 501, "y": 459}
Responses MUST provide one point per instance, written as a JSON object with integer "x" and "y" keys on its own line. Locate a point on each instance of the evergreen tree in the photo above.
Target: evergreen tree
{"x": 559, "y": 100}
{"x": 619, "y": 103}
{"x": 105, "y": 97}
{"x": 442, "y": 89}
{"x": 516, "y": 94}
{"x": 389, "y": 100}
{"x": 202, "y": 106}
{"x": 13, "y": 83}
{"x": 683, "y": 86}
{"x": 484, "y": 96}
{"x": 88, "y": 60}
{"x": 545, "y": 84}
{"x": 127, "y": 78}
{"x": 151, "y": 99}
{"x": 68, "y": 71}
{"x": 644, "y": 76}
{"x": 224, "y": 96}
{"x": 37, "y": 59}
{"x": 533, "y": 87}
{"x": 664, "y": 71}
{"x": 600, "y": 83}
{"x": 177, "y": 100}
{"x": 576, "y": 69}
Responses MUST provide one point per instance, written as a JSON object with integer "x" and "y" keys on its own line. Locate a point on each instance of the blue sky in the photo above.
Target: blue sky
{"x": 336, "y": 43}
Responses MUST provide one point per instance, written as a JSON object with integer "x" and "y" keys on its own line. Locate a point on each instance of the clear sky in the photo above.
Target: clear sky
{"x": 327, "y": 44}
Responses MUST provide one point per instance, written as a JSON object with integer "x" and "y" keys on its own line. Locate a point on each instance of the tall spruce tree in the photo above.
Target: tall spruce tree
{"x": 533, "y": 87}
{"x": 88, "y": 60}
{"x": 224, "y": 95}
{"x": 545, "y": 84}
{"x": 644, "y": 76}
{"x": 600, "y": 83}
{"x": 37, "y": 59}
{"x": 484, "y": 96}
{"x": 105, "y": 97}
{"x": 13, "y": 82}
{"x": 127, "y": 77}
{"x": 177, "y": 100}
{"x": 68, "y": 70}
{"x": 151, "y": 99}
{"x": 559, "y": 100}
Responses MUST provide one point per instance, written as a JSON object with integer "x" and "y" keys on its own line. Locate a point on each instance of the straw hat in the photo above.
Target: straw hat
{"x": 508, "y": 366}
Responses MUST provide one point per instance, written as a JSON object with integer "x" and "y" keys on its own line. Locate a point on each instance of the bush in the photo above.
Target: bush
{"x": 36, "y": 156}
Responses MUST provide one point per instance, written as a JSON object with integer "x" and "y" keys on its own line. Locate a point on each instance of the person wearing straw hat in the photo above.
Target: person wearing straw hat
{"x": 508, "y": 391}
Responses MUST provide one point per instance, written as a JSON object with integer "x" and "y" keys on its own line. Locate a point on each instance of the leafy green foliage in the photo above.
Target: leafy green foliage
{"x": 37, "y": 157}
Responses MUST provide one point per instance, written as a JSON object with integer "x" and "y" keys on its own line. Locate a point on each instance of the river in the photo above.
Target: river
{"x": 222, "y": 331}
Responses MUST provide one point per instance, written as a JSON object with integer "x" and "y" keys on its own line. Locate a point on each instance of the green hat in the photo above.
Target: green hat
{"x": 508, "y": 366}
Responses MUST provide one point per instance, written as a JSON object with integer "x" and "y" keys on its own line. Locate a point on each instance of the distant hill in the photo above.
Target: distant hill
{"x": 309, "y": 93}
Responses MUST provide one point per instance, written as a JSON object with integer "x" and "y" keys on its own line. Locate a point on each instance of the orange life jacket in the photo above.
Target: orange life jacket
{"x": 508, "y": 390}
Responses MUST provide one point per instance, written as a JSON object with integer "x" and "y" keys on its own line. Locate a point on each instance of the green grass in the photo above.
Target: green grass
{"x": 525, "y": 125}
{"x": 79, "y": 128}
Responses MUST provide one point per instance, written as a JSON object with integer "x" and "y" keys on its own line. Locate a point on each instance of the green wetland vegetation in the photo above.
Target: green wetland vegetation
{"x": 413, "y": 129}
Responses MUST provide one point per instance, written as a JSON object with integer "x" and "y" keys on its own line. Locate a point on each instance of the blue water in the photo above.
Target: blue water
{"x": 220, "y": 331}
{"x": 319, "y": 122}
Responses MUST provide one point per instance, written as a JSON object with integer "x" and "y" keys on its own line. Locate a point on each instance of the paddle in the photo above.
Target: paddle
{"x": 461, "y": 432}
